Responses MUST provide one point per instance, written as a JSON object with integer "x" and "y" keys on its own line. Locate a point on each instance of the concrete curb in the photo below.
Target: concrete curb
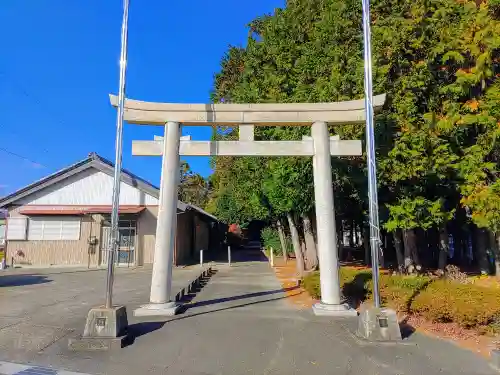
{"x": 495, "y": 360}
{"x": 192, "y": 284}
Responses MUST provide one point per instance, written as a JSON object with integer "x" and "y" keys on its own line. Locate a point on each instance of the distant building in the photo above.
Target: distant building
{"x": 3, "y": 222}
{"x": 64, "y": 219}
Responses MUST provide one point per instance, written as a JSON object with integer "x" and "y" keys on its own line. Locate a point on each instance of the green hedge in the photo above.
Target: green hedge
{"x": 470, "y": 306}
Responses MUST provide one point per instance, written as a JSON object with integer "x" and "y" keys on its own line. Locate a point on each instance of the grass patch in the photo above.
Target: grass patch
{"x": 470, "y": 306}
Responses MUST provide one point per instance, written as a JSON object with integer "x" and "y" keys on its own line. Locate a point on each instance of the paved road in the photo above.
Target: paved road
{"x": 241, "y": 323}
{"x": 40, "y": 307}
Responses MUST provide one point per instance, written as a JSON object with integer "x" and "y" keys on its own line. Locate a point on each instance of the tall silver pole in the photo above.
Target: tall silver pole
{"x": 113, "y": 244}
{"x": 370, "y": 153}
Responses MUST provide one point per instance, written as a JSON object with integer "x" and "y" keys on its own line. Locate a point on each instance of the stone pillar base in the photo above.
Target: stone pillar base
{"x": 378, "y": 324}
{"x": 341, "y": 310}
{"x": 495, "y": 359}
{"x": 104, "y": 329}
{"x": 158, "y": 309}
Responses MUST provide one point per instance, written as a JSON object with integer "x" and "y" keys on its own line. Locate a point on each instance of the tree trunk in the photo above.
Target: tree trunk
{"x": 444, "y": 249}
{"x": 426, "y": 253}
{"x": 340, "y": 239}
{"x": 281, "y": 233}
{"x": 481, "y": 253}
{"x": 366, "y": 244}
{"x": 381, "y": 256}
{"x": 414, "y": 248}
{"x": 494, "y": 246}
{"x": 410, "y": 254}
{"x": 311, "y": 252}
{"x": 304, "y": 252}
{"x": 497, "y": 255}
{"x": 351, "y": 234}
{"x": 399, "y": 250}
{"x": 296, "y": 244}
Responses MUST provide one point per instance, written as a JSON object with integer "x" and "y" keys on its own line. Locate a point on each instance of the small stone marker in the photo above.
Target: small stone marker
{"x": 378, "y": 324}
{"x": 105, "y": 329}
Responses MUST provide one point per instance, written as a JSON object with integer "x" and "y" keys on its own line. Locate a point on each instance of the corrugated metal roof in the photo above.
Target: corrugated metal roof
{"x": 94, "y": 161}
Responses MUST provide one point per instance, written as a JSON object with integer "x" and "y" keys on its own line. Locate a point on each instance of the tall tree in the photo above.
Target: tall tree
{"x": 437, "y": 137}
{"x": 193, "y": 188}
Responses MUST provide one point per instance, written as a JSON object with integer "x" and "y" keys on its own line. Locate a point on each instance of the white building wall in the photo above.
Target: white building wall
{"x": 151, "y": 201}
{"x": 89, "y": 187}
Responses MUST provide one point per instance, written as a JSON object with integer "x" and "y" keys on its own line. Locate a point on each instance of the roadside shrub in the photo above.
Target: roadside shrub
{"x": 469, "y": 306}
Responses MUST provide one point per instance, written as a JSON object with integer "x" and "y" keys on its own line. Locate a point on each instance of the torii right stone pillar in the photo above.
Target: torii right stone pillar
{"x": 326, "y": 230}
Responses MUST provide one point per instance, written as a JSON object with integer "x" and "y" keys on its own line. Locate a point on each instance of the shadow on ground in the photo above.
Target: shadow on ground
{"x": 406, "y": 329}
{"x": 190, "y": 315}
{"x": 195, "y": 289}
{"x": 355, "y": 291}
{"x": 140, "y": 329}
{"x": 21, "y": 280}
{"x": 242, "y": 296}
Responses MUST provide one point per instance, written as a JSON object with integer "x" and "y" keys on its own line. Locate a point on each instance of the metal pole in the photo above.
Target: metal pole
{"x": 229, "y": 255}
{"x": 370, "y": 154}
{"x": 113, "y": 243}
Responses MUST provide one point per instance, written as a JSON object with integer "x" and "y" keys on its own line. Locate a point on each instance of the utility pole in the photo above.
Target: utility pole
{"x": 374, "y": 323}
{"x": 113, "y": 244}
{"x": 370, "y": 154}
{"x": 106, "y": 326}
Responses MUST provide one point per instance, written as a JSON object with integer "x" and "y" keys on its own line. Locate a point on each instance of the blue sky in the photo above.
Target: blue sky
{"x": 60, "y": 61}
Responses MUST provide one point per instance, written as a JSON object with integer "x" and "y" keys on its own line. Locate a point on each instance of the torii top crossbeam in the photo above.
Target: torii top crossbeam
{"x": 152, "y": 113}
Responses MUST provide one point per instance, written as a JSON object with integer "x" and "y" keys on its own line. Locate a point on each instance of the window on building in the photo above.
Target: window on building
{"x": 16, "y": 228}
{"x": 50, "y": 228}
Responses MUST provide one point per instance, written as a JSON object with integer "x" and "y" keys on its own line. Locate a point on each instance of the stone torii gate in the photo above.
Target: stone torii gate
{"x": 319, "y": 145}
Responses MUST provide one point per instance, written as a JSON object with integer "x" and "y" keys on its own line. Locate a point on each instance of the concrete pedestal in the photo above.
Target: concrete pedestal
{"x": 378, "y": 324}
{"x": 341, "y": 310}
{"x": 105, "y": 328}
{"x": 158, "y": 309}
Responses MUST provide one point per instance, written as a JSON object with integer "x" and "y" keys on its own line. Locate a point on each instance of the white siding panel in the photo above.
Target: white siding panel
{"x": 90, "y": 187}
{"x": 151, "y": 201}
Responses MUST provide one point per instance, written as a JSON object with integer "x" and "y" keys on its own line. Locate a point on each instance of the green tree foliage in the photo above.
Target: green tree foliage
{"x": 193, "y": 188}
{"x": 437, "y": 136}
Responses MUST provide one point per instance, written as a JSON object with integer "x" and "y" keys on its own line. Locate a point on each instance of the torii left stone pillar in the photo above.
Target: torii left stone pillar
{"x": 319, "y": 146}
{"x": 161, "y": 302}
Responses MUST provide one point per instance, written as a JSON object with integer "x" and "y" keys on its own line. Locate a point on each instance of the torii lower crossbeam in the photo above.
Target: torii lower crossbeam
{"x": 320, "y": 146}
{"x": 247, "y": 148}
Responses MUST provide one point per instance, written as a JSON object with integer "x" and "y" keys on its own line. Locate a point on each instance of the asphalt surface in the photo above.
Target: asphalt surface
{"x": 240, "y": 322}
